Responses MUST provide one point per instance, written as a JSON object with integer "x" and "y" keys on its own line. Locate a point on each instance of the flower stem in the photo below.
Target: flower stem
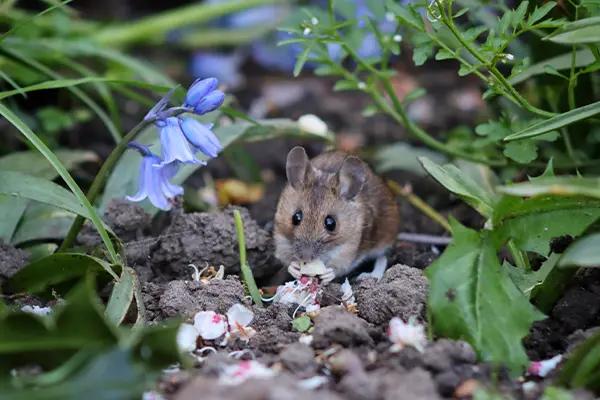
{"x": 417, "y": 202}
{"x": 100, "y": 180}
{"x": 247, "y": 276}
{"x": 160, "y": 24}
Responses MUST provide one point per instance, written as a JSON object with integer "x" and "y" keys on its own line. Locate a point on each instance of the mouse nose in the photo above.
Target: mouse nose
{"x": 305, "y": 252}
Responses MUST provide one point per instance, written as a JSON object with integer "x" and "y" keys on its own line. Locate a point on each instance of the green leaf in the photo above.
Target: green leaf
{"x": 302, "y": 324}
{"x": 51, "y": 157}
{"x": 522, "y": 152}
{"x": 42, "y": 222}
{"x": 302, "y": 58}
{"x": 403, "y": 156}
{"x": 52, "y": 84}
{"x": 561, "y": 62}
{"x": 556, "y": 186}
{"x": 540, "y": 12}
{"x": 33, "y": 163}
{"x": 77, "y": 323}
{"x": 121, "y": 297}
{"x": 582, "y": 368}
{"x": 56, "y": 272}
{"x": 462, "y": 185}
{"x": 528, "y": 281}
{"x": 406, "y": 15}
{"x": 471, "y": 297}
{"x": 556, "y": 122}
{"x": 585, "y": 30}
{"x": 11, "y": 211}
{"x": 583, "y": 253}
{"x": 532, "y": 223}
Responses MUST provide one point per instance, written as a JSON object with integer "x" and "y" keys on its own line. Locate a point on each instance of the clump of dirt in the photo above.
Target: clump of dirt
{"x": 128, "y": 220}
{"x": 299, "y": 359}
{"x": 334, "y": 324}
{"x": 578, "y": 309}
{"x": 402, "y": 292}
{"x": 186, "y": 298}
{"x": 210, "y": 238}
{"x": 11, "y": 261}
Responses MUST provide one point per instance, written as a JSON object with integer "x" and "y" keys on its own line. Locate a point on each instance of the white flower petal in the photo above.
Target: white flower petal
{"x": 403, "y": 334}
{"x": 37, "y": 310}
{"x": 347, "y": 293}
{"x": 186, "y": 338}
{"x": 238, "y": 373}
{"x": 238, "y": 315}
{"x": 210, "y": 325}
{"x": 312, "y": 124}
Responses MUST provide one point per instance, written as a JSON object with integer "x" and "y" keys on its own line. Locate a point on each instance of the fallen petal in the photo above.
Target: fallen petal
{"x": 238, "y": 373}
{"x": 210, "y": 325}
{"x": 403, "y": 334}
{"x": 187, "y": 335}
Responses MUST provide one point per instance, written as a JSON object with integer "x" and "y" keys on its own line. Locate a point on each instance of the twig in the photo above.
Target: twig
{"x": 419, "y": 204}
{"x": 422, "y": 238}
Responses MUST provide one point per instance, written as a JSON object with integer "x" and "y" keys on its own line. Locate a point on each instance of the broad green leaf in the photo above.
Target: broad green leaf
{"x": 585, "y": 252}
{"x": 471, "y": 297}
{"x": 522, "y": 152}
{"x": 77, "y": 323}
{"x": 42, "y": 222}
{"x": 585, "y": 30}
{"x": 33, "y": 163}
{"x": 403, "y": 156}
{"x": 583, "y": 58}
{"x": 124, "y": 179}
{"x": 582, "y": 368}
{"x": 121, "y": 297}
{"x": 557, "y": 122}
{"x": 460, "y": 184}
{"x": 56, "y": 272}
{"x": 59, "y": 167}
{"x": 533, "y": 223}
{"x": 556, "y": 186}
{"x": 528, "y": 280}
{"x": 11, "y": 210}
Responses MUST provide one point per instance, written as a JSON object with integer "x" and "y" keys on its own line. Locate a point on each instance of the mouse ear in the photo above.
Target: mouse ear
{"x": 352, "y": 177}
{"x": 297, "y": 167}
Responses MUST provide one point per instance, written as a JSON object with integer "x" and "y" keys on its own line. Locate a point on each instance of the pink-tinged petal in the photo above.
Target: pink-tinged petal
{"x": 403, "y": 334}
{"x": 210, "y": 325}
{"x": 544, "y": 367}
{"x": 238, "y": 373}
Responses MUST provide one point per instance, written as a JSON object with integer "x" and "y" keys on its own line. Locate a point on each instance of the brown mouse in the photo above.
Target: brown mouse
{"x": 334, "y": 209}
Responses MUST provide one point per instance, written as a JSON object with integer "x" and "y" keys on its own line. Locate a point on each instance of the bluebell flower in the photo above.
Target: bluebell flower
{"x": 154, "y": 181}
{"x": 201, "y": 137}
{"x": 174, "y": 144}
{"x": 203, "y": 96}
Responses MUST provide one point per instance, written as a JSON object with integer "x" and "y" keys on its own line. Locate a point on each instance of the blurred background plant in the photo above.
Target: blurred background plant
{"x": 526, "y": 158}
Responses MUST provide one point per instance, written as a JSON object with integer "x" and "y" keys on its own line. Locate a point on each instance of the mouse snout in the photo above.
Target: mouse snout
{"x": 305, "y": 252}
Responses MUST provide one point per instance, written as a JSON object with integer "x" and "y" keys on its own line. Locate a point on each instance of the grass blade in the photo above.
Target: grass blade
{"x": 51, "y": 157}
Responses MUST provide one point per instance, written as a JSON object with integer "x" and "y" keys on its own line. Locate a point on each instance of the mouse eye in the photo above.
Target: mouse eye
{"x": 297, "y": 217}
{"x": 330, "y": 223}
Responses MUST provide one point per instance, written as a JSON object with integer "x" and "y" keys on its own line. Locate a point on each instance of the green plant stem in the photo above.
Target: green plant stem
{"x": 513, "y": 94}
{"x": 247, "y": 276}
{"x": 418, "y": 203}
{"x": 100, "y": 180}
{"x": 399, "y": 114}
{"x": 159, "y": 24}
{"x": 221, "y": 37}
{"x": 519, "y": 257}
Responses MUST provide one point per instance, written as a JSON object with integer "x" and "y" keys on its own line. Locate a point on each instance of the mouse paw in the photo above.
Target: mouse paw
{"x": 368, "y": 275}
{"x": 327, "y": 277}
{"x": 294, "y": 270}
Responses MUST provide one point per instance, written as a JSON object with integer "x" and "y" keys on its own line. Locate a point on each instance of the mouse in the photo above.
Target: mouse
{"x": 336, "y": 210}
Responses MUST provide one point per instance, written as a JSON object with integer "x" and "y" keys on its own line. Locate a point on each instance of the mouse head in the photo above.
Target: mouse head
{"x": 320, "y": 213}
